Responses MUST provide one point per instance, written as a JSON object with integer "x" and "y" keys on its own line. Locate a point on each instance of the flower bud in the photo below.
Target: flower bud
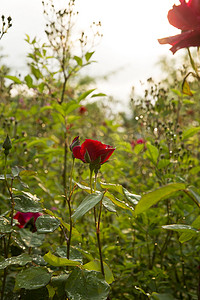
{"x": 7, "y": 145}
{"x": 74, "y": 143}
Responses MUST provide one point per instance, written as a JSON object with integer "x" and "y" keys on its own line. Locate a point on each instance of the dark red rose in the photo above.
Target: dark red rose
{"x": 137, "y": 142}
{"x": 186, "y": 17}
{"x": 25, "y": 218}
{"x": 92, "y": 152}
{"x": 82, "y": 110}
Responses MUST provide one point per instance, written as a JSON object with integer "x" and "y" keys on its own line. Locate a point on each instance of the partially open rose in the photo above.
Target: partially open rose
{"x": 186, "y": 17}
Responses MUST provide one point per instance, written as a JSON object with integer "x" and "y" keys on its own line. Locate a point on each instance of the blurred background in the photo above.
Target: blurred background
{"x": 126, "y": 55}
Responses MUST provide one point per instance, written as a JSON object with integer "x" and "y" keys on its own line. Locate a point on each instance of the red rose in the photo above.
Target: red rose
{"x": 186, "y": 17}
{"x": 24, "y": 218}
{"x": 137, "y": 142}
{"x": 93, "y": 152}
{"x": 82, "y": 110}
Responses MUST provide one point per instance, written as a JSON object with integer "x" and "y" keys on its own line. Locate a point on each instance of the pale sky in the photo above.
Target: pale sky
{"x": 130, "y": 31}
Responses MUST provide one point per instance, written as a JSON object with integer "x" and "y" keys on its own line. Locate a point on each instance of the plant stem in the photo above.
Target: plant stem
{"x": 97, "y": 224}
{"x": 65, "y": 170}
{"x": 99, "y": 241}
{"x": 6, "y": 248}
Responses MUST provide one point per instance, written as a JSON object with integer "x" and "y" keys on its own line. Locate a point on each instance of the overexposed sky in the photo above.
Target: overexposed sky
{"x": 130, "y": 31}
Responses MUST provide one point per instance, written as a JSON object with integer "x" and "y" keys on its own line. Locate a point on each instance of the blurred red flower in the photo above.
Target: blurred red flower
{"x": 137, "y": 142}
{"x": 82, "y": 110}
{"x": 186, "y": 17}
{"x": 27, "y": 218}
{"x": 93, "y": 152}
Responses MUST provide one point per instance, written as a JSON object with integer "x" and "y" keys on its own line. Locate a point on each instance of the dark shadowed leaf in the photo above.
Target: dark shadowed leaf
{"x": 31, "y": 239}
{"x": 46, "y": 224}
{"x": 86, "y": 285}
{"x": 32, "y": 278}
{"x": 24, "y": 203}
{"x": 21, "y": 260}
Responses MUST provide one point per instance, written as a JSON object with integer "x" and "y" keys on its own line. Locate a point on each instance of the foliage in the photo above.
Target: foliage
{"x": 132, "y": 231}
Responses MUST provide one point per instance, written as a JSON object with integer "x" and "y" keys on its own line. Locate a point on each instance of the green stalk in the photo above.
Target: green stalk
{"x": 97, "y": 223}
{"x": 6, "y": 248}
{"x": 70, "y": 210}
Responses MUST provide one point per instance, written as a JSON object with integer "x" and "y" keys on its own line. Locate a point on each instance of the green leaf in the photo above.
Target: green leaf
{"x": 163, "y": 163}
{"x": 84, "y": 95}
{"x": 5, "y": 225}
{"x": 153, "y": 197}
{"x": 157, "y": 296}
{"x": 138, "y": 148}
{"x": 13, "y": 78}
{"x": 88, "y": 55}
{"x": 24, "y": 203}
{"x": 118, "y": 202}
{"x": 113, "y": 187}
{"x": 46, "y": 224}
{"x": 31, "y": 239}
{"x": 21, "y": 260}
{"x": 96, "y": 266}
{"x": 78, "y": 60}
{"x": 59, "y": 261}
{"x": 86, "y": 285}
{"x": 152, "y": 153}
{"x": 98, "y": 95}
{"x": 186, "y": 88}
{"x": 29, "y": 81}
{"x": 186, "y": 236}
{"x": 190, "y": 132}
{"x": 181, "y": 228}
{"x": 27, "y": 173}
{"x": 194, "y": 193}
{"x": 36, "y": 72}
{"x": 132, "y": 198}
{"x": 32, "y": 278}
{"x": 108, "y": 204}
{"x": 66, "y": 225}
{"x": 71, "y": 107}
{"x": 74, "y": 254}
{"x": 88, "y": 203}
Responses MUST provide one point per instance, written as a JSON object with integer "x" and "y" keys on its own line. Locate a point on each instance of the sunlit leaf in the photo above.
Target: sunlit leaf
{"x": 86, "y": 285}
{"x": 14, "y": 79}
{"x": 153, "y": 197}
{"x": 59, "y": 261}
{"x": 186, "y": 88}
{"x": 96, "y": 266}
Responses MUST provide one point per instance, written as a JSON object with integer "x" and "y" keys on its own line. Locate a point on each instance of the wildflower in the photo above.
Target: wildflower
{"x": 27, "y": 220}
{"x": 186, "y": 17}
{"x": 92, "y": 151}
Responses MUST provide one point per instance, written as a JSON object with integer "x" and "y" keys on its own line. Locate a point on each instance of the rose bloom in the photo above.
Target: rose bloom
{"x": 186, "y": 17}
{"x": 24, "y": 219}
{"x": 82, "y": 110}
{"x": 91, "y": 151}
{"x": 139, "y": 141}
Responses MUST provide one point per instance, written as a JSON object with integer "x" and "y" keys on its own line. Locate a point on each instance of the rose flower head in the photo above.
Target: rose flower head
{"x": 185, "y": 17}
{"x": 27, "y": 220}
{"x": 92, "y": 151}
